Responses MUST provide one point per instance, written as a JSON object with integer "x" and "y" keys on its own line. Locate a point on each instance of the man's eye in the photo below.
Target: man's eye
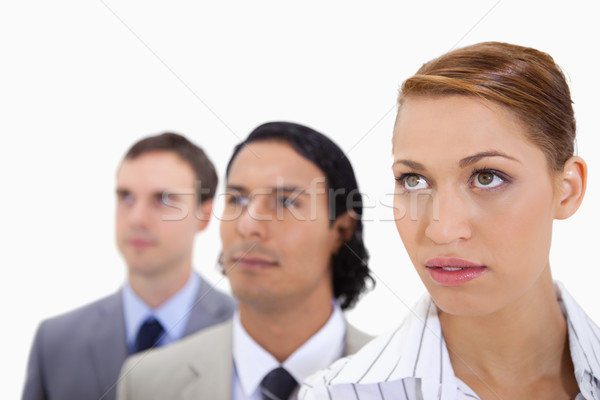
{"x": 233, "y": 199}
{"x": 287, "y": 202}
{"x": 162, "y": 199}
{"x": 124, "y": 197}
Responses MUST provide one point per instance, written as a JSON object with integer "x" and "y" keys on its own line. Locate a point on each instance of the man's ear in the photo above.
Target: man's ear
{"x": 203, "y": 214}
{"x": 572, "y": 183}
{"x": 343, "y": 228}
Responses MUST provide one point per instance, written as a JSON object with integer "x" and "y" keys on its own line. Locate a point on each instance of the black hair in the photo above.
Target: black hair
{"x": 204, "y": 170}
{"x": 350, "y": 266}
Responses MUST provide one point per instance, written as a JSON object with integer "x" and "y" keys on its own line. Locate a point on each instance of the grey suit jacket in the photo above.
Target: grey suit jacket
{"x": 199, "y": 367}
{"x": 78, "y": 355}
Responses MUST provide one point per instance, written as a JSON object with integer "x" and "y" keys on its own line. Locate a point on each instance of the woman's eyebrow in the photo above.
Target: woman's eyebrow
{"x": 465, "y": 162}
{"x": 411, "y": 164}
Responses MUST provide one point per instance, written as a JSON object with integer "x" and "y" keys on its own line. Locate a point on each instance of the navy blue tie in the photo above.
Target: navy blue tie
{"x": 149, "y": 334}
{"x": 277, "y": 385}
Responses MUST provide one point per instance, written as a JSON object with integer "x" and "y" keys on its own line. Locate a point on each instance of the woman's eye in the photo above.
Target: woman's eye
{"x": 413, "y": 181}
{"x": 410, "y": 182}
{"x": 487, "y": 179}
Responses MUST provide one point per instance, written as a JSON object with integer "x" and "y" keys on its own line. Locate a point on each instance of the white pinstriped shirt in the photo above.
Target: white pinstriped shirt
{"x": 412, "y": 361}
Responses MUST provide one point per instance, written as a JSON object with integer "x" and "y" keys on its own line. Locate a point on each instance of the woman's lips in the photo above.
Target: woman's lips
{"x": 451, "y": 271}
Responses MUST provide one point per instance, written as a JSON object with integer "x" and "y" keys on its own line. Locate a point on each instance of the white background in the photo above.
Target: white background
{"x": 80, "y": 81}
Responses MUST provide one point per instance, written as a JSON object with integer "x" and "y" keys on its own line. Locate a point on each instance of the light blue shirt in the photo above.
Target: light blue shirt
{"x": 173, "y": 315}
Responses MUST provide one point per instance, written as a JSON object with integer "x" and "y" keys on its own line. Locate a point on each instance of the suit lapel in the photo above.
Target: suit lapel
{"x": 107, "y": 341}
{"x": 199, "y": 315}
{"x": 209, "y": 308}
{"x": 213, "y": 369}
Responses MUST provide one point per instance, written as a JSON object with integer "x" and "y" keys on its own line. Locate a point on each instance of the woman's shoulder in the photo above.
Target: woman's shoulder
{"x": 376, "y": 361}
{"x": 584, "y": 334}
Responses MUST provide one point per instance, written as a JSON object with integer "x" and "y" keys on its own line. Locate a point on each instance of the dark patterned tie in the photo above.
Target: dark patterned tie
{"x": 277, "y": 385}
{"x": 149, "y": 334}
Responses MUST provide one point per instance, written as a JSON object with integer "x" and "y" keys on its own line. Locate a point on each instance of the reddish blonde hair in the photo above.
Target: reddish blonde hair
{"x": 524, "y": 80}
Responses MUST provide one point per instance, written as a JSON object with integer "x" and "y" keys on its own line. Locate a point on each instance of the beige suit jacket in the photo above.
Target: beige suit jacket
{"x": 198, "y": 367}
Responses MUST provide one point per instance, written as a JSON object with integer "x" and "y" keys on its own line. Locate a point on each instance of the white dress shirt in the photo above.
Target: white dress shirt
{"x": 252, "y": 362}
{"x": 173, "y": 315}
{"x": 412, "y": 361}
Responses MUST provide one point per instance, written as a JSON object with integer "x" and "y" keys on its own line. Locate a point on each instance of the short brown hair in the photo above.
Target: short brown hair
{"x": 206, "y": 176}
{"x": 524, "y": 80}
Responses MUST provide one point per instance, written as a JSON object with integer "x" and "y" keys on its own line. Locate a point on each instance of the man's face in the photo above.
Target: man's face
{"x": 275, "y": 230}
{"x": 155, "y": 234}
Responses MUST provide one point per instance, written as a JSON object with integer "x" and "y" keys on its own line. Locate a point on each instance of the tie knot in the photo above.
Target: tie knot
{"x": 277, "y": 385}
{"x": 149, "y": 334}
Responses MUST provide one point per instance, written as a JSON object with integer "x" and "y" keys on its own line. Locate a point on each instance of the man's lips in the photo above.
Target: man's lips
{"x": 254, "y": 262}
{"x": 140, "y": 243}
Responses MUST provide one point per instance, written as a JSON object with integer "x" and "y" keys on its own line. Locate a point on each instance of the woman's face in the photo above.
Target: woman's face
{"x": 474, "y": 202}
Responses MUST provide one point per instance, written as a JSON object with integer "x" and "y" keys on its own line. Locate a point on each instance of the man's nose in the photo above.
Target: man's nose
{"x": 139, "y": 214}
{"x": 253, "y": 221}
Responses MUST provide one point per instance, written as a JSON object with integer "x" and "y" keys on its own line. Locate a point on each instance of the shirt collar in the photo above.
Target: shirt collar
{"x": 584, "y": 341}
{"x": 173, "y": 315}
{"x": 584, "y": 337}
{"x": 427, "y": 358}
{"x": 252, "y": 362}
{"x": 417, "y": 351}
{"x": 425, "y": 328}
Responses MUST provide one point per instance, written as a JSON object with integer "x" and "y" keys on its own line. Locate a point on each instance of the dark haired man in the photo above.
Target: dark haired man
{"x": 293, "y": 252}
{"x": 165, "y": 187}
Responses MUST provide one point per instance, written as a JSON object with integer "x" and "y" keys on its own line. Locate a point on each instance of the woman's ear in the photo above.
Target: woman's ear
{"x": 572, "y": 183}
{"x": 343, "y": 228}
